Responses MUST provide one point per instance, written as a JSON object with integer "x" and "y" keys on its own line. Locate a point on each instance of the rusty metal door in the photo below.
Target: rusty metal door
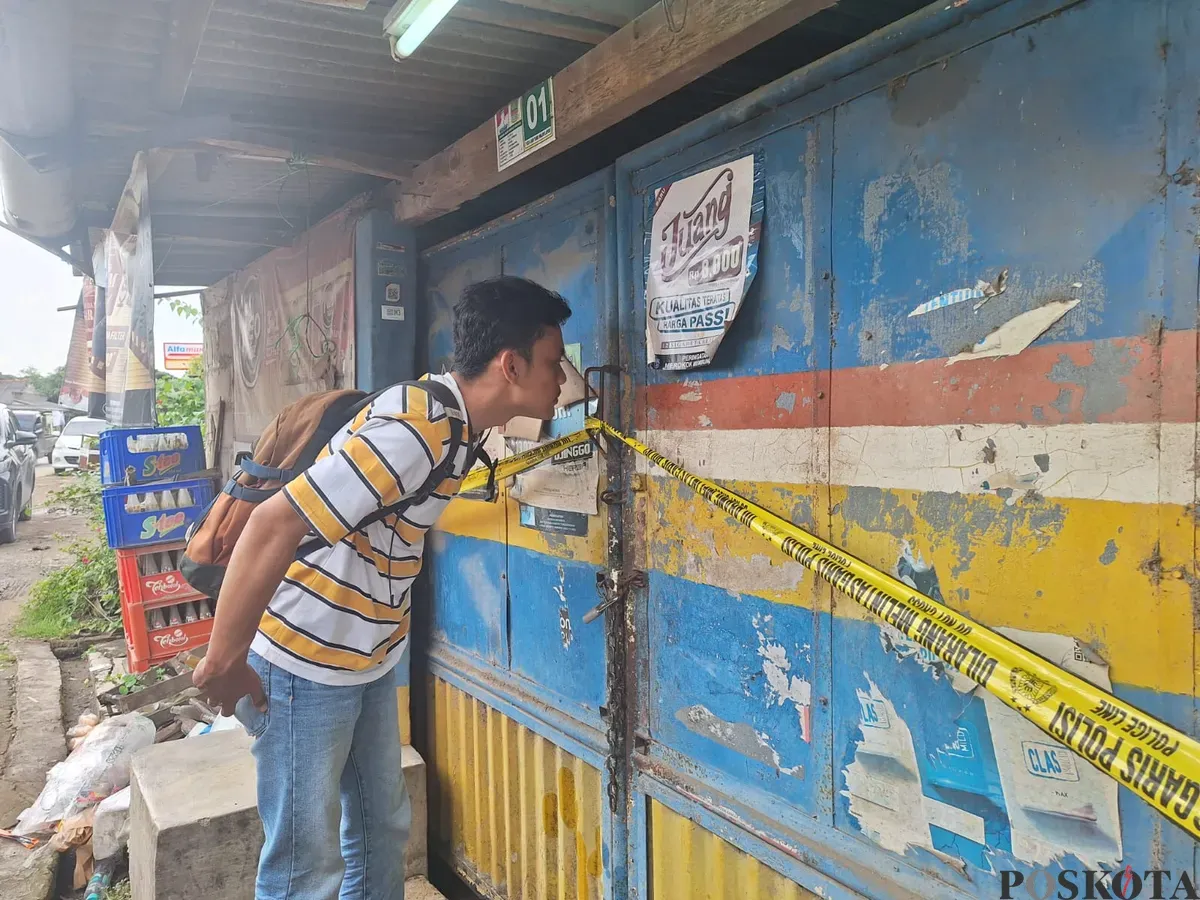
{"x": 969, "y": 358}
{"x": 517, "y": 717}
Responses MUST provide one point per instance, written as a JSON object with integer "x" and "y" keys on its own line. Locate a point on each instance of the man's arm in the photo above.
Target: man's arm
{"x": 264, "y": 551}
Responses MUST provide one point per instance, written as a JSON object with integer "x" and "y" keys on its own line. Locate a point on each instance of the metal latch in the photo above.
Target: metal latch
{"x": 613, "y": 590}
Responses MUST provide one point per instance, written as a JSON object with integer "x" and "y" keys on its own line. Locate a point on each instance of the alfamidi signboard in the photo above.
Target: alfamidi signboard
{"x": 702, "y": 254}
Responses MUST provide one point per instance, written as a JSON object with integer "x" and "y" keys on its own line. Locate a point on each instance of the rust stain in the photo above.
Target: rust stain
{"x": 595, "y": 857}
{"x": 550, "y": 814}
{"x": 568, "y": 802}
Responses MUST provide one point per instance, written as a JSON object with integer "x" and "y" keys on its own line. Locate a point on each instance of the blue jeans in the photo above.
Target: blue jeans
{"x": 331, "y": 790}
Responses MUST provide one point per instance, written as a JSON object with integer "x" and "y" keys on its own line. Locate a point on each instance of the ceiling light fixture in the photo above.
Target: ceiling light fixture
{"x": 411, "y": 21}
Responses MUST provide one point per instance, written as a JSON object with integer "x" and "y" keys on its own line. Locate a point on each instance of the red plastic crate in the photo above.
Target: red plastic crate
{"x": 158, "y": 589}
{"x": 142, "y": 594}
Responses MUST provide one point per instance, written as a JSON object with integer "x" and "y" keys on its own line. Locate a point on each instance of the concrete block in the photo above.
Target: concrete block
{"x": 417, "y": 854}
{"x": 418, "y": 888}
{"x": 194, "y": 826}
{"x": 193, "y": 822}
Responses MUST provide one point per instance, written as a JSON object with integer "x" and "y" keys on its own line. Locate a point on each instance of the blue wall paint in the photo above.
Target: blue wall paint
{"x": 1035, "y": 152}
{"x": 385, "y": 349}
{"x": 468, "y": 602}
{"x": 572, "y": 675}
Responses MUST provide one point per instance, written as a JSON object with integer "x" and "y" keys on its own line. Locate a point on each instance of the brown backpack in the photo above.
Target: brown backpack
{"x": 288, "y": 446}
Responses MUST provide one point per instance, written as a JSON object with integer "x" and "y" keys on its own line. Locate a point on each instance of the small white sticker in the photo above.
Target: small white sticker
{"x": 393, "y": 293}
{"x": 392, "y": 313}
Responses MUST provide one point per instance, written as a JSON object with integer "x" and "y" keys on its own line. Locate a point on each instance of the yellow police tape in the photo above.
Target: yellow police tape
{"x": 1149, "y": 757}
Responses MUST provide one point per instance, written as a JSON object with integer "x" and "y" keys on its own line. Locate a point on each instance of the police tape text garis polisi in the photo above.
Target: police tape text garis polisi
{"x": 1108, "y": 735}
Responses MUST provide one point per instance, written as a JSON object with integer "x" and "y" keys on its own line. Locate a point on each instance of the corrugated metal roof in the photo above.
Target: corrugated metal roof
{"x": 309, "y": 73}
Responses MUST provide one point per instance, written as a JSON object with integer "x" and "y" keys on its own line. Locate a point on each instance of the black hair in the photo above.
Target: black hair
{"x": 504, "y": 313}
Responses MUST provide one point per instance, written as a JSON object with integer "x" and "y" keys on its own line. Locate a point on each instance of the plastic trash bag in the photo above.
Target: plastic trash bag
{"x": 110, "y": 830}
{"x": 96, "y": 769}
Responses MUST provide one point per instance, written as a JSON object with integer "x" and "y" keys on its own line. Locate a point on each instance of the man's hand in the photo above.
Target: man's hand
{"x": 261, "y": 558}
{"x": 225, "y": 688}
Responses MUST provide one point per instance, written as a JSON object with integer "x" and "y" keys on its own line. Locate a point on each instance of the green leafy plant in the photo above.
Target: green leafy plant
{"x": 83, "y": 595}
{"x": 180, "y": 398}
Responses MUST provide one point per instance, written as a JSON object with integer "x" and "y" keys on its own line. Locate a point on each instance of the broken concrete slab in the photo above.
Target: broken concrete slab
{"x": 37, "y": 742}
{"x": 194, "y": 826}
{"x": 37, "y": 745}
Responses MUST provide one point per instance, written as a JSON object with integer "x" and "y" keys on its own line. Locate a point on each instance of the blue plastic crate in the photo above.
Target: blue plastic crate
{"x": 135, "y": 517}
{"x": 141, "y": 455}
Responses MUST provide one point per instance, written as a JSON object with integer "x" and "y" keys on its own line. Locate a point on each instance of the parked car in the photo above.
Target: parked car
{"x": 69, "y": 445}
{"x": 17, "y": 466}
{"x": 40, "y": 424}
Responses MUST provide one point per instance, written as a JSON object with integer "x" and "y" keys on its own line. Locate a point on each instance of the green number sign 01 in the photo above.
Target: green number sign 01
{"x": 537, "y": 110}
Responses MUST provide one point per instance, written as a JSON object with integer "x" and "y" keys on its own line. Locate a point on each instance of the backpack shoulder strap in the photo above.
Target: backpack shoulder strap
{"x": 454, "y": 414}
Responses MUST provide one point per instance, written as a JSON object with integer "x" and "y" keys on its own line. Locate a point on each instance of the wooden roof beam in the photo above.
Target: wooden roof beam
{"x": 260, "y": 144}
{"x": 184, "y": 34}
{"x": 642, "y": 63}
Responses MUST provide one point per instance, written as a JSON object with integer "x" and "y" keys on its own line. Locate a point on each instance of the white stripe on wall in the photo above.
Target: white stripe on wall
{"x": 1126, "y": 463}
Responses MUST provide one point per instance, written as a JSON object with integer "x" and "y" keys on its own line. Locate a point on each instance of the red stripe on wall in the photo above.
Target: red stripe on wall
{"x": 1122, "y": 380}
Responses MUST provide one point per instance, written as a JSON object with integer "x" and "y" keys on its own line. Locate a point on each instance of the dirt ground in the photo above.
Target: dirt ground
{"x": 37, "y": 549}
{"x": 35, "y": 552}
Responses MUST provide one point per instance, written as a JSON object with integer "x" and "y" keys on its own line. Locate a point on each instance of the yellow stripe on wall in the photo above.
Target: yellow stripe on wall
{"x": 689, "y": 863}
{"x": 517, "y": 816}
{"x": 1038, "y": 565}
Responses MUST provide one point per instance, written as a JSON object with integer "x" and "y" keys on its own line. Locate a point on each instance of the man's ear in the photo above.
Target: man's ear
{"x": 509, "y": 362}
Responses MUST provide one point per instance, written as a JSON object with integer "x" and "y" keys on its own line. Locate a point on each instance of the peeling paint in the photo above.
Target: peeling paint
{"x": 783, "y": 688}
{"x": 786, "y": 401}
{"x": 938, "y": 207}
{"x": 1098, "y": 388}
{"x": 737, "y": 736}
{"x": 1011, "y": 486}
{"x": 1109, "y": 556}
{"x": 694, "y": 395}
{"x": 918, "y": 574}
{"x": 564, "y": 611}
{"x": 780, "y": 339}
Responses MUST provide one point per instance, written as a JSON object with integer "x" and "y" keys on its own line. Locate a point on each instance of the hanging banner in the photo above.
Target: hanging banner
{"x": 701, "y": 256}
{"x": 292, "y": 323}
{"x": 129, "y": 302}
{"x": 77, "y": 380}
{"x": 98, "y": 348}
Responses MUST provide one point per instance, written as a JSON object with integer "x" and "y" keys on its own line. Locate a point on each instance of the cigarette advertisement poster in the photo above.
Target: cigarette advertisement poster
{"x": 701, "y": 256}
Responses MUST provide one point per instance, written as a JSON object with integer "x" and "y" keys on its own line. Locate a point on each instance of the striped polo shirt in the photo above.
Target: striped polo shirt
{"x": 341, "y": 614}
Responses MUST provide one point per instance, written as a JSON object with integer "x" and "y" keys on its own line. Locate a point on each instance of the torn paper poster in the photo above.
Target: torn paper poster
{"x": 883, "y": 784}
{"x": 523, "y": 428}
{"x": 1016, "y": 334}
{"x": 1058, "y": 804}
{"x": 701, "y": 256}
{"x": 983, "y": 292}
{"x": 574, "y": 390}
{"x": 566, "y": 483}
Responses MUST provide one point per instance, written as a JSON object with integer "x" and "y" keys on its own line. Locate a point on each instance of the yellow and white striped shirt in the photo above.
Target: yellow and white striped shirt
{"x": 341, "y": 614}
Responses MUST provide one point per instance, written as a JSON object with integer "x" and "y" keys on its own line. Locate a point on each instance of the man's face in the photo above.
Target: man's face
{"x": 541, "y": 379}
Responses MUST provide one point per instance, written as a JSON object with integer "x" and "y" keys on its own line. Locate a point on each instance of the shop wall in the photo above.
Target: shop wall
{"x": 968, "y": 358}
{"x": 1030, "y": 146}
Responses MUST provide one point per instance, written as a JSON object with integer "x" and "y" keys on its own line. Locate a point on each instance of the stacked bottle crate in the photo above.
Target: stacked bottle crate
{"x": 151, "y": 496}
